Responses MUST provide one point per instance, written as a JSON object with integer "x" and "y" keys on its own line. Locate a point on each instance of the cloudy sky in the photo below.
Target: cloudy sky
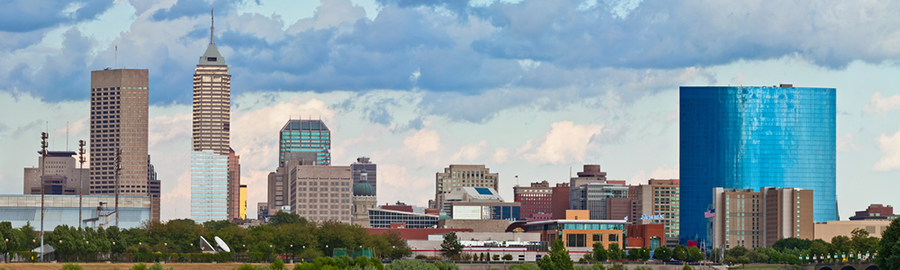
{"x": 533, "y": 88}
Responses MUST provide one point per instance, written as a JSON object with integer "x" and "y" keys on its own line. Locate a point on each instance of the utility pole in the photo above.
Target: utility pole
{"x": 81, "y": 173}
{"x": 43, "y": 168}
{"x": 118, "y": 170}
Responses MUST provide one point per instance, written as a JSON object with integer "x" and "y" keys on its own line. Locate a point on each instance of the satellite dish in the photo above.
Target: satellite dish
{"x": 222, "y": 244}
{"x": 205, "y": 246}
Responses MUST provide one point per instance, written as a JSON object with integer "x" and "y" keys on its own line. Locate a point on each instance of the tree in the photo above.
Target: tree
{"x": 662, "y": 253}
{"x": 283, "y": 217}
{"x": 817, "y": 249}
{"x": 792, "y": 243}
{"x": 888, "y": 256}
{"x": 840, "y": 245}
{"x": 558, "y": 259}
{"x": 680, "y": 253}
{"x": 633, "y": 254}
{"x": 694, "y": 254}
{"x": 615, "y": 253}
{"x": 451, "y": 246}
{"x": 645, "y": 254}
{"x": 600, "y": 253}
{"x": 862, "y": 242}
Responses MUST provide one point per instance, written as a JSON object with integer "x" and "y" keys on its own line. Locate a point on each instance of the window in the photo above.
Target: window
{"x": 613, "y": 238}
{"x": 576, "y": 240}
{"x": 598, "y": 237}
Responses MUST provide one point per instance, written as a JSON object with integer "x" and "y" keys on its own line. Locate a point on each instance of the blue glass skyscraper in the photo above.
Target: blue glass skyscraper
{"x": 753, "y": 137}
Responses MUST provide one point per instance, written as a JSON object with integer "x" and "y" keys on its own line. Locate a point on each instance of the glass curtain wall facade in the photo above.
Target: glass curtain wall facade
{"x": 739, "y": 137}
{"x": 209, "y": 186}
{"x": 310, "y": 137}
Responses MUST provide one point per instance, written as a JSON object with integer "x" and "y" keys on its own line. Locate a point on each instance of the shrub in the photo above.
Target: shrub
{"x": 71, "y": 266}
{"x": 446, "y": 265}
{"x": 277, "y": 265}
{"x": 525, "y": 266}
{"x": 410, "y": 265}
{"x": 687, "y": 267}
{"x": 157, "y": 266}
{"x": 248, "y": 266}
{"x": 507, "y": 257}
{"x": 421, "y": 257}
{"x": 138, "y": 266}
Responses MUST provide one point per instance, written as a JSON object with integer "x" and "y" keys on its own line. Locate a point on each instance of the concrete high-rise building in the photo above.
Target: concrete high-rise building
{"x": 211, "y": 187}
{"x": 119, "y": 115}
{"x": 365, "y": 171}
{"x": 749, "y": 137}
{"x": 743, "y": 217}
{"x": 320, "y": 193}
{"x": 262, "y": 210}
{"x": 154, "y": 187}
{"x": 310, "y": 139}
{"x": 61, "y": 175}
{"x": 590, "y": 190}
{"x": 234, "y": 185}
{"x": 536, "y": 200}
{"x": 659, "y": 202}
{"x": 461, "y": 176}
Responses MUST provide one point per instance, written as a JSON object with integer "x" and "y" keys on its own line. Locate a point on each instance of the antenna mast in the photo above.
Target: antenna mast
{"x": 212, "y": 25}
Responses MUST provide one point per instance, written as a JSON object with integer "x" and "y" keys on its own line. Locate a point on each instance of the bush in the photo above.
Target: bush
{"x": 525, "y": 266}
{"x": 598, "y": 266}
{"x": 687, "y": 267}
{"x": 618, "y": 266}
{"x": 138, "y": 266}
{"x": 507, "y": 257}
{"x": 157, "y": 266}
{"x": 71, "y": 266}
{"x": 421, "y": 257}
{"x": 410, "y": 265}
{"x": 277, "y": 265}
{"x": 446, "y": 265}
{"x": 248, "y": 266}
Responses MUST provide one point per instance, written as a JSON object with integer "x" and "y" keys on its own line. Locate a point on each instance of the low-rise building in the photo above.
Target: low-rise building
{"x": 96, "y": 210}
{"x": 536, "y": 199}
{"x": 579, "y": 233}
{"x": 875, "y": 211}
{"x": 386, "y": 218}
{"x": 830, "y": 229}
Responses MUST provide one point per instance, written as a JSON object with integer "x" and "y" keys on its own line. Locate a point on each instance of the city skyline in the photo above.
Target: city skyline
{"x": 420, "y": 88}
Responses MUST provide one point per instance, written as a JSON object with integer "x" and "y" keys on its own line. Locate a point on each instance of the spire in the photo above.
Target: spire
{"x": 212, "y": 25}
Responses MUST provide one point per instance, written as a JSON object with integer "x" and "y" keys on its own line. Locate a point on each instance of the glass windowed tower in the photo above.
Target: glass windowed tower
{"x": 748, "y": 137}
{"x": 310, "y": 139}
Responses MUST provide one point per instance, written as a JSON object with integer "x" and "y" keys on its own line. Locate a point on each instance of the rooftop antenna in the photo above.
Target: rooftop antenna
{"x": 116, "y": 63}
{"x": 67, "y": 135}
{"x": 212, "y": 25}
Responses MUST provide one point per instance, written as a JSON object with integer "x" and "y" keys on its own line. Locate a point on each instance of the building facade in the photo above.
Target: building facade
{"x": 743, "y": 217}
{"x": 660, "y": 202}
{"x": 595, "y": 197}
{"x": 262, "y": 211}
{"x": 61, "y": 174}
{"x": 749, "y": 137}
{"x": 365, "y": 171}
{"x": 580, "y": 235}
{"x": 308, "y": 138}
{"x": 243, "y": 203}
{"x": 97, "y": 210}
{"x": 461, "y": 176}
{"x": 234, "y": 185}
{"x": 363, "y": 199}
{"x": 535, "y": 199}
{"x": 385, "y": 218}
{"x": 212, "y": 192}
{"x": 119, "y": 115}
{"x": 875, "y": 211}
{"x": 320, "y": 193}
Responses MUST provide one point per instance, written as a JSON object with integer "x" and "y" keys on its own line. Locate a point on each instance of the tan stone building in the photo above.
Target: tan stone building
{"x": 828, "y": 230}
{"x": 461, "y": 176}
{"x": 659, "y": 203}
{"x": 320, "y": 193}
{"x": 61, "y": 172}
{"x": 119, "y": 115}
{"x": 752, "y": 219}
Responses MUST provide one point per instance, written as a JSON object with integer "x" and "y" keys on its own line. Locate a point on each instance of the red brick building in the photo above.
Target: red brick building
{"x": 559, "y": 202}
{"x": 650, "y": 236}
{"x": 875, "y": 211}
{"x": 535, "y": 199}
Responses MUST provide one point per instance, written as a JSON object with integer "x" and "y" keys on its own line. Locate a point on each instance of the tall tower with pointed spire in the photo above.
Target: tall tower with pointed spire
{"x": 211, "y": 178}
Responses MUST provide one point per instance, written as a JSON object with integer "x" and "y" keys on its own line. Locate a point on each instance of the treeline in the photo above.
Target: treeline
{"x": 286, "y": 235}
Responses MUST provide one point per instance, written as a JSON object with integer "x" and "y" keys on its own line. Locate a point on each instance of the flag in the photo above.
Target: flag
{"x": 710, "y": 213}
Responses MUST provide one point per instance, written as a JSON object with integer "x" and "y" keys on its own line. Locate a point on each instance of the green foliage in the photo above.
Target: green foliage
{"x": 507, "y": 257}
{"x": 680, "y": 253}
{"x": 792, "y": 243}
{"x": 71, "y": 266}
{"x": 158, "y": 266}
{"x": 687, "y": 267}
{"x": 662, "y": 253}
{"x": 599, "y": 252}
{"x": 441, "y": 265}
{"x": 410, "y": 265}
{"x": 282, "y": 218}
{"x": 277, "y": 265}
{"x": 598, "y": 266}
{"x": 558, "y": 259}
{"x": 618, "y": 266}
{"x": 861, "y": 242}
{"x": 139, "y": 266}
{"x": 525, "y": 266}
{"x": 451, "y": 246}
{"x": 640, "y": 267}
{"x": 888, "y": 256}
{"x": 615, "y": 253}
{"x": 248, "y": 266}
{"x": 694, "y": 254}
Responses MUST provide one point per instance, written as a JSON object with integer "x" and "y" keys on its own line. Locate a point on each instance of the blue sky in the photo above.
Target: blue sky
{"x": 533, "y": 88}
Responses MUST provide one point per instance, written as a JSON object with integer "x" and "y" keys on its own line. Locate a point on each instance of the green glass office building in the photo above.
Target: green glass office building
{"x": 309, "y": 138}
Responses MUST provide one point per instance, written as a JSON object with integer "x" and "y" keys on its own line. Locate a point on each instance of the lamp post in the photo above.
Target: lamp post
{"x": 44, "y": 137}
{"x": 80, "y": 173}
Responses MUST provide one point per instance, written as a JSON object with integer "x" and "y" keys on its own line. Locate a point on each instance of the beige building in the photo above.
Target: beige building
{"x": 752, "y": 219}
{"x": 828, "y": 230}
{"x": 215, "y": 172}
{"x": 659, "y": 202}
{"x": 461, "y": 176}
{"x": 320, "y": 193}
{"x": 61, "y": 172}
{"x": 119, "y": 112}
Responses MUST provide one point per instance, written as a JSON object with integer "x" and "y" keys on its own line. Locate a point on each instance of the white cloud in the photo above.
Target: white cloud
{"x": 165, "y": 130}
{"x": 396, "y": 183}
{"x": 661, "y": 172}
{"x": 470, "y": 153}
{"x": 845, "y": 143}
{"x": 423, "y": 142}
{"x": 890, "y": 152}
{"x": 881, "y": 104}
{"x": 564, "y": 142}
{"x": 501, "y": 155}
